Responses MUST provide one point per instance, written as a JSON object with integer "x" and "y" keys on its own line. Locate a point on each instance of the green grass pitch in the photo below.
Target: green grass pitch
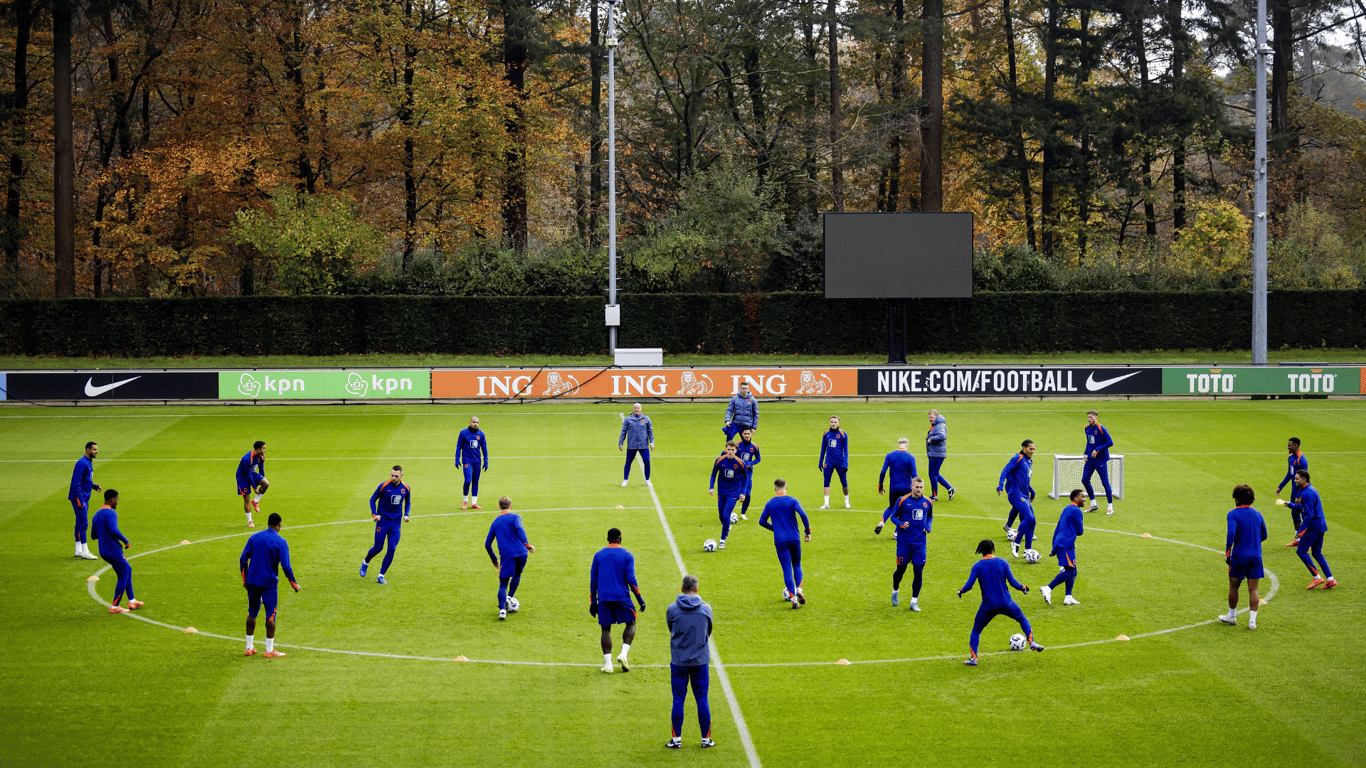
{"x": 84, "y": 687}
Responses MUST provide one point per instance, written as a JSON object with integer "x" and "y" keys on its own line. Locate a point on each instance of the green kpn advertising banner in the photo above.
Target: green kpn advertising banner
{"x": 1279, "y": 380}
{"x": 323, "y": 385}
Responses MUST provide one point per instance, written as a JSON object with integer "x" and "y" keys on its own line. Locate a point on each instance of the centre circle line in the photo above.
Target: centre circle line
{"x": 90, "y": 587}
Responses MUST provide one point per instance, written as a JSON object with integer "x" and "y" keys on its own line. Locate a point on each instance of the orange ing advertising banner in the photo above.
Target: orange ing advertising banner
{"x": 528, "y": 383}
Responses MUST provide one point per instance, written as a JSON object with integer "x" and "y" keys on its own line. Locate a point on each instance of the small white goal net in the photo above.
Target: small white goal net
{"x": 1067, "y": 475}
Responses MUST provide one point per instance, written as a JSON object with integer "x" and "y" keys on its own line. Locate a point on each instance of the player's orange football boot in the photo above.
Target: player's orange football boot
{"x": 117, "y": 609}
{"x": 251, "y": 524}
{"x": 274, "y": 654}
{"x": 475, "y": 506}
{"x": 1294, "y": 543}
{"x": 464, "y": 505}
{"x": 133, "y": 605}
{"x": 256, "y": 506}
{"x": 1316, "y": 582}
{"x": 250, "y": 652}
{"x": 1330, "y": 584}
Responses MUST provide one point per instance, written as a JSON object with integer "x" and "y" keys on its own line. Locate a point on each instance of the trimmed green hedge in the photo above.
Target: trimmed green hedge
{"x": 719, "y": 323}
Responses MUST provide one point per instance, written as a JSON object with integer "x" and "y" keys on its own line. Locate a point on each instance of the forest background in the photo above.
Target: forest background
{"x": 225, "y": 147}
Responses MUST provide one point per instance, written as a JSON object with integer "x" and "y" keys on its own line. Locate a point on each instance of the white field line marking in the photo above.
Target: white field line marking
{"x": 617, "y": 457}
{"x": 90, "y": 587}
{"x": 721, "y": 675}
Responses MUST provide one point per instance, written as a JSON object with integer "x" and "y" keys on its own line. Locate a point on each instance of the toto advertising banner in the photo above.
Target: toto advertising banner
{"x": 643, "y": 382}
{"x": 116, "y": 385}
{"x": 323, "y": 385}
{"x": 1279, "y": 380}
{"x": 1009, "y": 381}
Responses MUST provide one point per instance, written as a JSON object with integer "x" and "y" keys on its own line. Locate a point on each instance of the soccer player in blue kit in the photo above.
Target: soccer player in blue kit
{"x": 901, "y": 464}
{"x": 105, "y": 528}
{"x": 611, "y": 582}
{"x": 835, "y": 458}
{"x": 734, "y": 477}
{"x": 251, "y": 478}
{"x": 747, "y": 452}
{"x": 1296, "y": 461}
{"x": 513, "y": 546}
{"x": 1243, "y": 554}
{"x": 390, "y": 506}
{"x": 82, "y": 483}
{"x": 1065, "y": 535}
{"x": 780, "y": 516}
{"x": 1015, "y": 478}
{"x": 265, "y": 553}
{"x": 1098, "y": 445}
{"x": 1312, "y": 527}
{"x": 994, "y": 574}
{"x": 913, "y": 517}
{"x": 472, "y": 446}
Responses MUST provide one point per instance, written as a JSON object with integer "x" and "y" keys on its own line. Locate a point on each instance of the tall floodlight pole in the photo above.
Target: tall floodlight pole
{"x": 1259, "y": 202}
{"x": 612, "y": 173}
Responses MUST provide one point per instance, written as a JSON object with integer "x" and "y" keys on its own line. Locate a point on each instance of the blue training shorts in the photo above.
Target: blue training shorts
{"x": 511, "y": 566}
{"x": 1067, "y": 558}
{"x": 828, "y": 470}
{"x": 1246, "y": 568}
{"x": 910, "y": 552}
{"x": 615, "y": 612}
{"x": 256, "y": 596}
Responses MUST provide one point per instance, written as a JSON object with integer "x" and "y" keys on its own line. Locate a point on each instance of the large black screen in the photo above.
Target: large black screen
{"x": 914, "y": 255}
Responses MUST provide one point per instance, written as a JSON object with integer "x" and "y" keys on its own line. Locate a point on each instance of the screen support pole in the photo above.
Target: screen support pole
{"x": 896, "y": 348}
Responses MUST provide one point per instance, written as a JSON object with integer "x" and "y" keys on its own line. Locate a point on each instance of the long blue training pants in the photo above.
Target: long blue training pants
{"x": 1104, "y": 472}
{"x": 472, "y": 473}
{"x": 724, "y": 506}
{"x": 1313, "y": 542}
{"x": 83, "y": 508}
{"x": 124, "y": 586}
{"x": 679, "y": 678}
{"x": 893, "y": 496}
{"x": 988, "y": 612}
{"x": 937, "y": 479}
{"x": 631, "y": 457}
{"x": 790, "y": 558}
{"x": 383, "y": 532}
{"x": 1021, "y": 508}
{"x": 1028, "y": 521}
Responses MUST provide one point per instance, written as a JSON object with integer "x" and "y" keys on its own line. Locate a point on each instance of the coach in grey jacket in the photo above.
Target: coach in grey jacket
{"x": 638, "y": 435}
{"x": 936, "y": 450}
{"x": 742, "y": 413}
{"x": 690, "y": 627}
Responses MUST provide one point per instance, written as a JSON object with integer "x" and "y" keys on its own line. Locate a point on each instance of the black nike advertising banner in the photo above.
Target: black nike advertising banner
{"x": 1010, "y": 381}
{"x": 117, "y": 385}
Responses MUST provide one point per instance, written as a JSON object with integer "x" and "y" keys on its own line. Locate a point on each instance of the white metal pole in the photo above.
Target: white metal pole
{"x": 612, "y": 168}
{"x": 1259, "y": 201}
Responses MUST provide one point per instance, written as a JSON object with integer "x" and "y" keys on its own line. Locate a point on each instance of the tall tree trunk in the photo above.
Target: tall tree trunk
{"x": 1021, "y": 153}
{"x": 305, "y": 175}
{"x": 754, "y": 84}
{"x": 1282, "y": 66}
{"x": 1088, "y": 58}
{"x": 932, "y": 119}
{"x": 809, "y": 51}
{"x": 1145, "y": 89}
{"x": 1050, "y": 80}
{"x": 409, "y": 143}
{"x": 898, "y": 89}
{"x": 1179, "y": 41}
{"x": 14, "y": 228}
{"x": 64, "y": 160}
{"x": 836, "y": 151}
{"x": 595, "y": 142}
{"x": 516, "y": 59}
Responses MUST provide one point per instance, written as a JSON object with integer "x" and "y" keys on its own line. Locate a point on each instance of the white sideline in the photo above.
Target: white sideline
{"x": 711, "y": 642}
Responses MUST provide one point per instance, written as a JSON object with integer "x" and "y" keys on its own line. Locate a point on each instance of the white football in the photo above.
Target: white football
{"x": 735, "y": 517}
{"x": 1012, "y": 534}
{"x": 513, "y": 605}
{"x": 1032, "y": 555}
{"x": 1017, "y": 642}
{"x": 709, "y": 545}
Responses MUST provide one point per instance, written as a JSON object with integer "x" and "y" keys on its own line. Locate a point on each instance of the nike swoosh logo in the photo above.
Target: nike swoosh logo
{"x": 93, "y": 391}
{"x": 1092, "y": 385}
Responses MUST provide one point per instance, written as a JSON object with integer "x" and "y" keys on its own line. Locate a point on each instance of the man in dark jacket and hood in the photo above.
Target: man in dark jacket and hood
{"x": 690, "y": 626}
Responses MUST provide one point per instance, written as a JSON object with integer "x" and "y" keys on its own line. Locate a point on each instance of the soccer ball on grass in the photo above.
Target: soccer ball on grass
{"x": 735, "y": 517}
{"x": 1012, "y": 534}
{"x": 1031, "y": 555}
{"x": 1017, "y": 642}
{"x": 513, "y": 604}
{"x": 709, "y": 545}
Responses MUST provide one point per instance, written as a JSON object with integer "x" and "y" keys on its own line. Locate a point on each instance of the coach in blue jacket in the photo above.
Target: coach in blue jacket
{"x": 690, "y": 626}
{"x": 638, "y": 435}
{"x": 742, "y": 413}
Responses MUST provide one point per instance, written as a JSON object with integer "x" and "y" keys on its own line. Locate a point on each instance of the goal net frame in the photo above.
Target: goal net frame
{"x": 1067, "y": 471}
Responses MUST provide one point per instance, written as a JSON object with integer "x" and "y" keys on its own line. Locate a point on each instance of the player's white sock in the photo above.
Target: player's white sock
{"x": 474, "y": 499}
{"x": 625, "y": 649}
{"x": 270, "y": 644}
{"x": 915, "y": 600}
{"x": 827, "y": 499}
{"x": 78, "y": 549}
{"x": 258, "y": 498}
{"x": 251, "y": 642}
{"x": 248, "y": 517}
{"x": 1251, "y": 617}
{"x": 846, "y": 500}
{"x": 607, "y": 659}
{"x": 1232, "y": 613}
